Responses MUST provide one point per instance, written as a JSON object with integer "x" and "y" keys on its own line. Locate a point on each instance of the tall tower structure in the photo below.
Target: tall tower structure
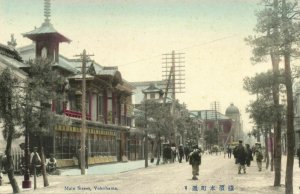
{"x": 46, "y": 37}
{"x": 234, "y": 113}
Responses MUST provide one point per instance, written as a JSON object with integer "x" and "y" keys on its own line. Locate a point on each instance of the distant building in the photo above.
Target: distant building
{"x": 153, "y": 89}
{"x": 213, "y": 120}
{"x": 153, "y": 93}
{"x": 234, "y": 113}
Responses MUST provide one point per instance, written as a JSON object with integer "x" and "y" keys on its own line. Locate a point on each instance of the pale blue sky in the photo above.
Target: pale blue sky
{"x": 210, "y": 32}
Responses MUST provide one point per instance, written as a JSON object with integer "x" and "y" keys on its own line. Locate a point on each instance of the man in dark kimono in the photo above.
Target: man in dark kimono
{"x": 241, "y": 156}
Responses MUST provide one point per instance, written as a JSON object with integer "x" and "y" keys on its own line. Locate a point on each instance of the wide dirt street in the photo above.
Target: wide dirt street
{"x": 217, "y": 175}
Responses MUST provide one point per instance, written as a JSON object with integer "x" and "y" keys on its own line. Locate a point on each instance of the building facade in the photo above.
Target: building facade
{"x": 108, "y": 102}
{"x": 215, "y": 122}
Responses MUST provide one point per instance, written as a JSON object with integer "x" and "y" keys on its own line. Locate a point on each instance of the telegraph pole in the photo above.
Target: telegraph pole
{"x": 216, "y": 106}
{"x": 173, "y": 75}
{"x": 146, "y": 136}
{"x": 84, "y": 58}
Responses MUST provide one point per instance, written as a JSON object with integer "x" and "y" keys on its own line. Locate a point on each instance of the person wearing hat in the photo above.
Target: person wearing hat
{"x": 241, "y": 156}
{"x": 298, "y": 153}
{"x": 35, "y": 159}
{"x": 195, "y": 161}
{"x": 259, "y": 155}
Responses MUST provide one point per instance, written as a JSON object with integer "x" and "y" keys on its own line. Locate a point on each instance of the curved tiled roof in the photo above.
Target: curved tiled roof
{"x": 10, "y": 52}
{"x": 46, "y": 28}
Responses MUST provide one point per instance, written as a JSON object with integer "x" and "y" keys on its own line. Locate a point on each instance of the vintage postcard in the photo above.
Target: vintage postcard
{"x": 149, "y": 97}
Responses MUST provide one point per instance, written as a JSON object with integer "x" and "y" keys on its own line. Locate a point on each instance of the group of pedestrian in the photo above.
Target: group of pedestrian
{"x": 172, "y": 154}
{"x": 244, "y": 156}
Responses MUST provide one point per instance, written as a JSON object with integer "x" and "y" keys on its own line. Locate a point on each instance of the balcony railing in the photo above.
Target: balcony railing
{"x": 75, "y": 114}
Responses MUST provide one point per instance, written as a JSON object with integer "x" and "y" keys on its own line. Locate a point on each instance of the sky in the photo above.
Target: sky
{"x": 133, "y": 35}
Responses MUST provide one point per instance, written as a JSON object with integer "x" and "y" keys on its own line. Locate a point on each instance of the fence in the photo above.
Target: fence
{"x": 17, "y": 155}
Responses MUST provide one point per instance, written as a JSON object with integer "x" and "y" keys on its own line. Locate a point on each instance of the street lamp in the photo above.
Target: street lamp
{"x": 26, "y": 183}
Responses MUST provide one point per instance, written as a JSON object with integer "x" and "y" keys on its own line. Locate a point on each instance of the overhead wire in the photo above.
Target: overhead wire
{"x": 189, "y": 47}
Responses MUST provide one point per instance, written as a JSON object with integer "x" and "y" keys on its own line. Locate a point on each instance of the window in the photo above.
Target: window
{"x": 59, "y": 106}
{"x": 58, "y": 144}
{"x": 100, "y": 105}
{"x": 152, "y": 96}
{"x": 65, "y": 145}
{"x": 78, "y": 103}
{"x": 44, "y": 52}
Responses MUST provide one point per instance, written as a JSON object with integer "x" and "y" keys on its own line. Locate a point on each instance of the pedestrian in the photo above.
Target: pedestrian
{"x": 241, "y": 157}
{"x": 180, "y": 152}
{"x": 229, "y": 151}
{"x": 35, "y": 159}
{"x": 1, "y": 165}
{"x": 298, "y": 154}
{"x": 235, "y": 154}
{"x": 259, "y": 156}
{"x": 173, "y": 153}
{"x": 167, "y": 153}
{"x": 79, "y": 157}
{"x": 186, "y": 153}
{"x": 249, "y": 157}
{"x": 195, "y": 161}
{"x": 35, "y": 162}
{"x": 86, "y": 158}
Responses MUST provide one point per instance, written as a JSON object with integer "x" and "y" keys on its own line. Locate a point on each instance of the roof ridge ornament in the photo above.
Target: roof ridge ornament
{"x": 13, "y": 42}
{"x": 47, "y": 11}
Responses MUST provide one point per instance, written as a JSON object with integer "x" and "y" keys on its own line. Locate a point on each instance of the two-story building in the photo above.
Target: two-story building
{"x": 109, "y": 103}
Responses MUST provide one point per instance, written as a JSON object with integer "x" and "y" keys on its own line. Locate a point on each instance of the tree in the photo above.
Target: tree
{"x": 151, "y": 110}
{"x": 159, "y": 121}
{"x": 211, "y": 137}
{"x": 43, "y": 85}
{"x": 9, "y": 112}
{"x": 159, "y": 114}
{"x": 263, "y": 110}
{"x": 278, "y": 32}
{"x": 291, "y": 36}
{"x": 263, "y": 46}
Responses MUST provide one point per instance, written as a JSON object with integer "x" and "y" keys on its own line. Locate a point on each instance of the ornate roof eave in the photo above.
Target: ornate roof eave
{"x": 46, "y": 29}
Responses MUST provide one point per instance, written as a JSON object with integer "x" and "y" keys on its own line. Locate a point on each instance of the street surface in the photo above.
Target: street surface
{"x": 217, "y": 175}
